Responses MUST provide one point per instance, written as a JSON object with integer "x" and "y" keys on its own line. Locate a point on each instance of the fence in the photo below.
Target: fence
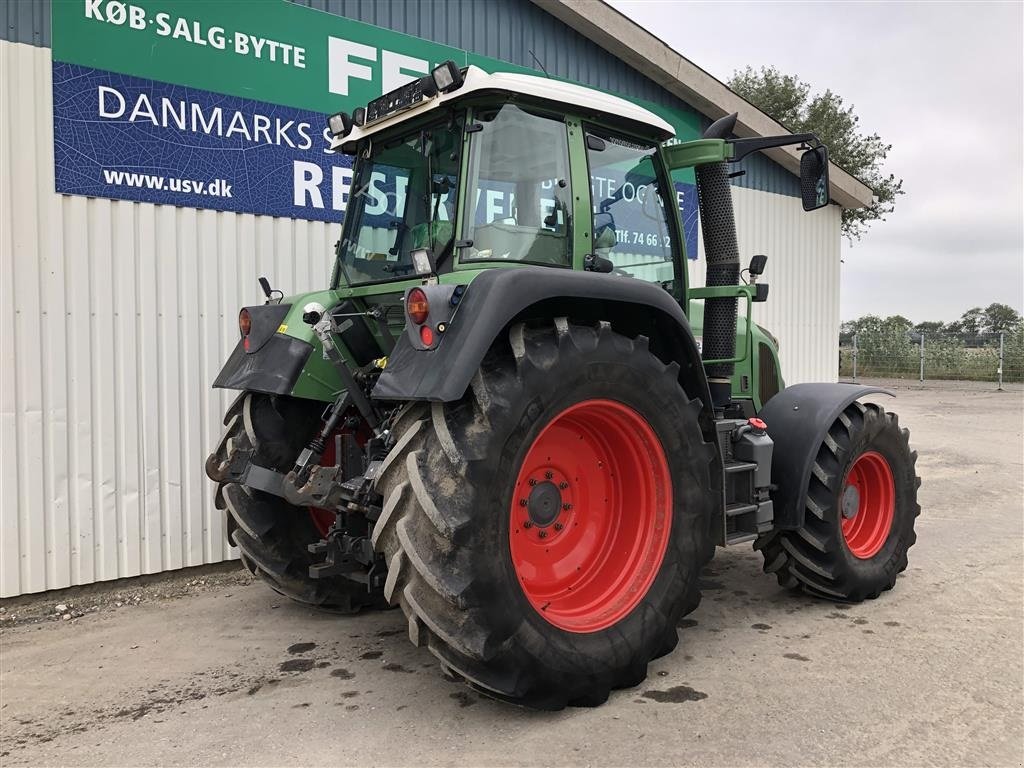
{"x": 995, "y": 357}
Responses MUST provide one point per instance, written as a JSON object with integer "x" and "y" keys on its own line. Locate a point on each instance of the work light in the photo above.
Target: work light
{"x": 359, "y": 115}
{"x": 447, "y": 76}
{"x": 422, "y": 262}
{"x": 339, "y": 124}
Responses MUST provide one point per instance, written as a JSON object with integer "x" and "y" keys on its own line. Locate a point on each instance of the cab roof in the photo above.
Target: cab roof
{"x": 576, "y": 98}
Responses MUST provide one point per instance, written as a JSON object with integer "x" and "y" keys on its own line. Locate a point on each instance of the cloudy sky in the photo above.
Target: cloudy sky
{"x": 942, "y": 83}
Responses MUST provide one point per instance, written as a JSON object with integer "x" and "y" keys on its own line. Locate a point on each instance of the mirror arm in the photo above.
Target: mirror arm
{"x": 743, "y": 147}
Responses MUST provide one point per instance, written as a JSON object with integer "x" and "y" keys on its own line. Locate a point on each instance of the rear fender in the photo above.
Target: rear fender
{"x": 798, "y": 418}
{"x": 284, "y": 355}
{"x": 497, "y": 298}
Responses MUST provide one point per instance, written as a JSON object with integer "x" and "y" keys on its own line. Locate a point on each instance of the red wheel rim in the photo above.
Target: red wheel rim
{"x": 590, "y": 516}
{"x": 868, "y": 505}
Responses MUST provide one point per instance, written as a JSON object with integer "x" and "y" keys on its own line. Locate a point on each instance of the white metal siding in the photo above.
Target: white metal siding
{"x": 118, "y": 315}
{"x": 116, "y": 318}
{"x": 802, "y": 310}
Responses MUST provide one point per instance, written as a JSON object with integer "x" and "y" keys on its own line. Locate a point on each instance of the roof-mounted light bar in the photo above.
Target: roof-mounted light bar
{"x": 445, "y": 78}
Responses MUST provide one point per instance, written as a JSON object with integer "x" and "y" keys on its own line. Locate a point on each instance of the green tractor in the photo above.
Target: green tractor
{"x": 511, "y": 416}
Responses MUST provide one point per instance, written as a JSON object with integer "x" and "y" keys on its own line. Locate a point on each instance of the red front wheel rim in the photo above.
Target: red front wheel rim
{"x": 868, "y": 505}
{"x": 590, "y": 515}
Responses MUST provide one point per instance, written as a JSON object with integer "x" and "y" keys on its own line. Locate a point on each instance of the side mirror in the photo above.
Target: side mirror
{"x": 594, "y": 263}
{"x": 814, "y": 178}
{"x": 603, "y": 221}
{"x": 604, "y": 232}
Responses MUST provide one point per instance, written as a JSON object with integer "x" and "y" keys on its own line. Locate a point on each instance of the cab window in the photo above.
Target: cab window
{"x": 631, "y": 220}
{"x": 403, "y": 199}
{"x": 520, "y": 193}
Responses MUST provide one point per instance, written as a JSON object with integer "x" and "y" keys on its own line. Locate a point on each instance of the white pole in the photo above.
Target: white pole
{"x": 855, "y": 358}
{"x": 922, "y": 358}
{"x": 1001, "y": 362}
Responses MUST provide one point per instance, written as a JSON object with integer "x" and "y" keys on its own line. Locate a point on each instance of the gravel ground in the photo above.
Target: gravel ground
{"x": 205, "y": 667}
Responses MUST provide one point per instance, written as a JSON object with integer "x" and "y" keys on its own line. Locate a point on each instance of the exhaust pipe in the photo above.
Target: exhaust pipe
{"x": 714, "y": 198}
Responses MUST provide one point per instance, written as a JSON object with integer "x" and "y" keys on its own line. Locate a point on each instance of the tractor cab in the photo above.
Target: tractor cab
{"x": 505, "y": 170}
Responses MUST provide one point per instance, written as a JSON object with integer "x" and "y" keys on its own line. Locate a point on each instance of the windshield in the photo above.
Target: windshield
{"x": 402, "y": 199}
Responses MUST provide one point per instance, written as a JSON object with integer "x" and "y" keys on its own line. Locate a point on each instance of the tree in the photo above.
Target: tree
{"x": 788, "y": 99}
{"x": 971, "y": 322}
{"x": 930, "y": 326}
{"x": 1001, "y": 318}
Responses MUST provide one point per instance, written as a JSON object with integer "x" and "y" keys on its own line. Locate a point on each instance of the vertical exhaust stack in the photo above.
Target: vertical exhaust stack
{"x": 718, "y": 224}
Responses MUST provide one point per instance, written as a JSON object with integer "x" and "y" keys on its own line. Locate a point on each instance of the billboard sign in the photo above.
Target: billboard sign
{"x": 223, "y": 105}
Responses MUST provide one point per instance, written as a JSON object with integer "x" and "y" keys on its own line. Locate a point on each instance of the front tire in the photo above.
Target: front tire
{"x": 489, "y": 507}
{"x": 860, "y": 513}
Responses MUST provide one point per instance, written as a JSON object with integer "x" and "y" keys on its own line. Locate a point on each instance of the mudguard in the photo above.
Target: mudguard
{"x": 798, "y": 419}
{"x": 498, "y": 297}
{"x": 284, "y": 356}
{"x": 273, "y": 368}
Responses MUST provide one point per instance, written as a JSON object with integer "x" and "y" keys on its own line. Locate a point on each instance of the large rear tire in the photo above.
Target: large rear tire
{"x": 545, "y": 535}
{"x": 272, "y": 535}
{"x": 861, "y": 508}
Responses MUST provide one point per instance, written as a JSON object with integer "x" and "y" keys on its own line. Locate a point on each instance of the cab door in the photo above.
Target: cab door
{"x": 635, "y": 218}
{"x": 519, "y": 190}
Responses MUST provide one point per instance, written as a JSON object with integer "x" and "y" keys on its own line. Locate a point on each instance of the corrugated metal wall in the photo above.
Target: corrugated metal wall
{"x": 802, "y": 310}
{"x": 26, "y": 21}
{"x": 117, "y": 317}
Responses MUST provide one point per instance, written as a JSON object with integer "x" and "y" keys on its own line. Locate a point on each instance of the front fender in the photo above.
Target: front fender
{"x": 798, "y": 418}
{"x": 496, "y": 298}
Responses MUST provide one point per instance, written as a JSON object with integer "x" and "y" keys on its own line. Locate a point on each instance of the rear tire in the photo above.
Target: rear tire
{"x": 452, "y": 489}
{"x": 866, "y": 462}
{"x": 271, "y": 534}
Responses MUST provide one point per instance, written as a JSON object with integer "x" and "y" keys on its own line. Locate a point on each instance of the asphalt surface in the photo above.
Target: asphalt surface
{"x": 228, "y": 673}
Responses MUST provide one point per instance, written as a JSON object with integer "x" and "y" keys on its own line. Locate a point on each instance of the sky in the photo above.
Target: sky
{"x": 944, "y": 84}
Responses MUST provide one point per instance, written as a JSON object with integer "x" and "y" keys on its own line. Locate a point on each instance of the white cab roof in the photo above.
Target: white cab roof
{"x": 579, "y": 98}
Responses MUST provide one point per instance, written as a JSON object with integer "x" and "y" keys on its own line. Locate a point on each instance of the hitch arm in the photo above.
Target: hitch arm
{"x": 325, "y": 331}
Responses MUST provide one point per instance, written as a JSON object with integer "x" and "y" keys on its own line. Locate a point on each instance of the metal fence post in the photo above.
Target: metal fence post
{"x": 1000, "y": 362}
{"x": 855, "y": 358}
{"x": 922, "y": 359}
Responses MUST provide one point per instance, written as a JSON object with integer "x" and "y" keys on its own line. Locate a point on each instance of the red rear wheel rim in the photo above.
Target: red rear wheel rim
{"x": 868, "y": 505}
{"x": 591, "y": 514}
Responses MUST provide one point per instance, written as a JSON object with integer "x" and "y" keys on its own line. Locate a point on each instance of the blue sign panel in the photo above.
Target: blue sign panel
{"x": 134, "y": 139}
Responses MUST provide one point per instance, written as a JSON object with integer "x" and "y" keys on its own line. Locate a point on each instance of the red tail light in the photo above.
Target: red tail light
{"x": 244, "y": 326}
{"x": 417, "y": 306}
{"x": 426, "y": 335}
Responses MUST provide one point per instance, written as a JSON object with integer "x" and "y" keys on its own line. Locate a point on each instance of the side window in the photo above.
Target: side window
{"x": 631, "y": 225}
{"x": 520, "y": 206}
